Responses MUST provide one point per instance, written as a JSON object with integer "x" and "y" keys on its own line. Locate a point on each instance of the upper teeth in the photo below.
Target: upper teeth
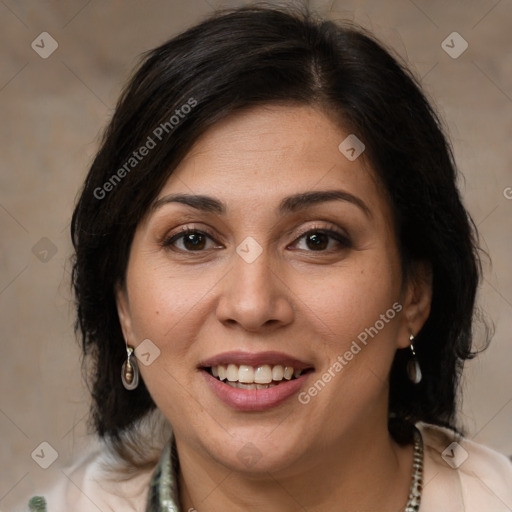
{"x": 263, "y": 374}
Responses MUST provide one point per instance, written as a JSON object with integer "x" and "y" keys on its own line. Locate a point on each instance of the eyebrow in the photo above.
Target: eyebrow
{"x": 289, "y": 204}
{"x": 200, "y": 202}
{"x": 298, "y": 201}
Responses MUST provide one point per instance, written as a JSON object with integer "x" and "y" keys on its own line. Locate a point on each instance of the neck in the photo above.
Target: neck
{"x": 366, "y": 471}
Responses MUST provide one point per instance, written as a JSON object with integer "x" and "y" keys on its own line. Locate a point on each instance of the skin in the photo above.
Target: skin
{"x": 308, "y": 302}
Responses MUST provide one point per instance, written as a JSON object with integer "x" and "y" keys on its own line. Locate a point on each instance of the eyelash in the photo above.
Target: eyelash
{"x": 168, "y": 242}
{"x": 342, "y": 239}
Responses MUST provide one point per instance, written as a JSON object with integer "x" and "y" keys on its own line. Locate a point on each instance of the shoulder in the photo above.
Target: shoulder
{"x": 460, "y": 474}
{"x": 94, "y": 482}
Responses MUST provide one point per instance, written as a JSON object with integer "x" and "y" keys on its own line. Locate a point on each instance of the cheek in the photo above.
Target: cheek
{"x": 353, "y": 296}
{"x": 164, "y": 310}
{"x": 357, "y": 320}
{"x": 356, "y": 313}
{"x": 163, "y": 302}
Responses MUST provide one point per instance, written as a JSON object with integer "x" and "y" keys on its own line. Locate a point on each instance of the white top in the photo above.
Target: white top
{"x": 479, "y": 481}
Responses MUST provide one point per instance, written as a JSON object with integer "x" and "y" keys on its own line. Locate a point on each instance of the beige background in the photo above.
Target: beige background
{"x": 52, "y": 112}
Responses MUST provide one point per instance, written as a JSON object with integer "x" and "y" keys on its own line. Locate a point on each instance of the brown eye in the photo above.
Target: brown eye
{"x": 194, "y": 241}
{"x": 189, "y": 240}
{"x": 322, "y": 240}
{"x": 317, "y": 241}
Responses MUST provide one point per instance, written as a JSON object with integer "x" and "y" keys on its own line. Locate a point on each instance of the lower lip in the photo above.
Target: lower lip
{"x": 254, "y": 399}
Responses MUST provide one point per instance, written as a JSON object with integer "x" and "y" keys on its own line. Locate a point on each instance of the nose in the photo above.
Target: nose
{"x": 254, "y": 296}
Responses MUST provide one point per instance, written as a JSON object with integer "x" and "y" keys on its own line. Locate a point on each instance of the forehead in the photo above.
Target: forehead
{"x": 258, "y": 156}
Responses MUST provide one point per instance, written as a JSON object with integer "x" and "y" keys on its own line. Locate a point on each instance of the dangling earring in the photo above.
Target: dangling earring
{"x": 130, "y": 370}
{"x": 413, "y": 367}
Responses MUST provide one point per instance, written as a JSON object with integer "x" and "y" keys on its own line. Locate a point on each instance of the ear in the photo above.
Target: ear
{"x": 123, "y": 311}
{"x": 416, "y": 303}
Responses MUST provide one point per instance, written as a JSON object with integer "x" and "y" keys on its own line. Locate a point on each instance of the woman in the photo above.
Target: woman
{"x": 273, "y": 260}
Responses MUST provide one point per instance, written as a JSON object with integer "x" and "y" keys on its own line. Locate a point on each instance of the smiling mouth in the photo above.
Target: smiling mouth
{"x": 254, "y": 377}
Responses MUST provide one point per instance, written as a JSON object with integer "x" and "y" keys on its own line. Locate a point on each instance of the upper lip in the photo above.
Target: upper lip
{"x": 255, "y": 359}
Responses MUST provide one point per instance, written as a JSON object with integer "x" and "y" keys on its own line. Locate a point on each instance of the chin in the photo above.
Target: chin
{"x": 253, "y": 450}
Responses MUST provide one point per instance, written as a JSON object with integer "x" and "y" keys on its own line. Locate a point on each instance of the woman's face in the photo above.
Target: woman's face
{"x": 268, "y": 254}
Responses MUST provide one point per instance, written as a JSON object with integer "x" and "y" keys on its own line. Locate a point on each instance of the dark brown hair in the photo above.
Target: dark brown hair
{"x": 256, "y": 56}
